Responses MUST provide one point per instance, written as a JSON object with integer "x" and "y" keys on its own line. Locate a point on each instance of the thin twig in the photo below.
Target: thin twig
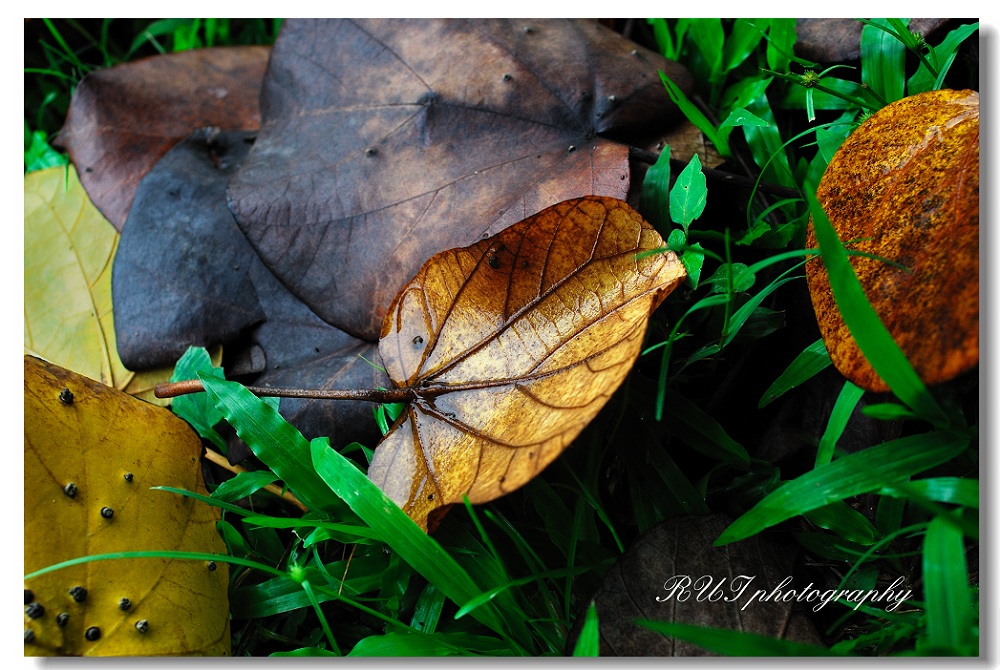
{"x": 221, "y": 461}
{"x": 174, "y": 389}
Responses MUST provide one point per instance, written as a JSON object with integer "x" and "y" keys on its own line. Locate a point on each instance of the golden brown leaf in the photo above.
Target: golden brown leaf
{"x": 91, "y": 441}
{"x": 512, "y": 345}
{"x": 906, "y": 184}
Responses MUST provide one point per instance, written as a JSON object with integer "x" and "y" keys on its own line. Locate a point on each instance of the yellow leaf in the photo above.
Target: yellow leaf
{"x": 112, "y": 448}
{"x": 68, "y": 251}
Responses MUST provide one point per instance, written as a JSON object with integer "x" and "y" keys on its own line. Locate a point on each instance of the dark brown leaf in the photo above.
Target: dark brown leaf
{"x": 185, "y": 275}
{"x": 905, "y": 184}
{"x": 839, "y": 40}
{"x": 123, "y": 119}
{"x": 384, "y": 142}
{"x": 511, "y": 346}
{"x": 682, "y": 546}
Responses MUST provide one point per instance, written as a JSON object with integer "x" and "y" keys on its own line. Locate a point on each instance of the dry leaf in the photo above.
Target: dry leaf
{"x": 650, "y": 581}
{"x": 386, "y": 141}
{"x": 512, "y": 345}
{"x": 122, "y": 119}
{"x": 906, "y": 184}
{"x": 108, "y": 449}
{"x": 68, "y": 251}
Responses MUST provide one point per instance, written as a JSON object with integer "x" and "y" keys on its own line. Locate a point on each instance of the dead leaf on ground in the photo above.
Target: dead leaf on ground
{"x": 386, "y": 141}
{"x": 636, "y": 588}
{"x": 68, "y": 252}
{"x": 107, "y": 449}
{"x": 186, "y": 276}
{"x": 906, "y": 185}
{"x": 512, "y": 345}
{"x": 123, "y": 119}
{"x": 839, "y": 40}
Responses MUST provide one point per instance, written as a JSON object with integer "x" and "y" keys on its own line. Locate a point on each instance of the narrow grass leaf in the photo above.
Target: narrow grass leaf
{"x": 214, "y": 502}
{"x": 281, "y": 594}
{"x": 732, "y": 642}
{"x": 399, "y": 531}
{"x": 741, "y": 315}
{"x": 273, "y": 440}
{"x": 949, "y": 614}
{"x": 589, "y": 641}
{"x": 852, "y": 475}
{"x": 654, "y": 200}
{"x": 743, "y": 39}
{"x": 924, "y": 79}
{"x": 487, "y": 596}
{"x": 427, "y": 611}
{"x": 870, "y": 334}
{"x": 951, "y": 490}
{"x": 243, "y": 485}
{"x": 343, "y": 532}
{"x": 845, "y": 521}
{"x": 888, "y": 411}
{"x": 882, "y": 60}
{"x": 396, "y": 644}
{"x": 811, "y": 361}
{"x": 695, "y": 115}
{"x": 841, "y": 413}
{"x": 698, "y": 429}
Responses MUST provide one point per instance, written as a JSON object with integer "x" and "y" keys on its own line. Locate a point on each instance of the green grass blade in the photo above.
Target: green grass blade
{"x": 841, "y": 413}
{"x": 182, "y": 555}
{"x": 654, "y": 201}
{"x": 273, "y": 440}
{"x": 951, "y": 490}
{"x": 589, "y": 641}
{"x": 732, "y": 642}
{"x": 852, "y": 475}
{"x": 214, "y": 502}
{"x": 882, "y": 61}
{"x": 243, "y": 484}
{"x": 399, "y": 531}
{"x": 695, "y": 115}
{"x": 742, "y": 41}
{"x": 949, "y": 613}
{"x": 924, "y": 79}
{"x": 694, "y": 426}
{"x": 845, "y": 521}
{"x": 867, "y": 329}
{"x": 810, "y": 362}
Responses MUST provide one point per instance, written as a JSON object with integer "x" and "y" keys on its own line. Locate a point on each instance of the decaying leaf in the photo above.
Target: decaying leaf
{"x": 185, "y": 275}
{"x": 839, "y": 40}
{"x": 511, "y": 346}
{"x": 122, "y": 119}
{"x": 91, "y": 455}
{"x": 657, "y": 577}
{"x": 905, "y": 187}
{"x": 68, "y": 251}
{"x": 376, "y": 151}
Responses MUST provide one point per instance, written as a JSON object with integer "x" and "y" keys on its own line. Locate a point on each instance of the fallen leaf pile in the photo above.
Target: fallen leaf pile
{"x": 91, "y": 455}
{"x": 374, "y": 153}
{"x": 904, "y": 186}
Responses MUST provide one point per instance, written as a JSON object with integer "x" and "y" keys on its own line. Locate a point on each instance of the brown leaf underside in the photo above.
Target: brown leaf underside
{"x": 906, "y": 185}
{"x": 513, "y": 345}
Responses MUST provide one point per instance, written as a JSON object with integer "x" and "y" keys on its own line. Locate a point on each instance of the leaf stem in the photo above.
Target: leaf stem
{"x": 174, "y": 389}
